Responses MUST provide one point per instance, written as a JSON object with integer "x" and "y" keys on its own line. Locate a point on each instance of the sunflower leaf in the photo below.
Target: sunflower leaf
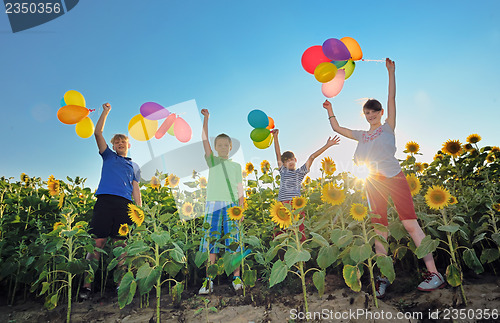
{"x": 352, "y": 277}
{"x": 386, "y": 267}
{"x": 319, "y": 239}
{"x": 453, "y": 275}
{"x": 426, "y": 246}
{"x": 292, "y": 256}
{"x": 327, "y": 256}
{"x": 472, "y": 261}
{"x": 278, "y": 273}
{"x": 489, "y": 255}
{"x": 452, "y": 228}
{"x": 160, "y": 238}
{"x": 319, "y": 282}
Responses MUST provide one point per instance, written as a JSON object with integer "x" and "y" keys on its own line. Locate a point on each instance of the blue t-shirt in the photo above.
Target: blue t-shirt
{"x": 117, "y": 175}
{"x": 291, "y": 181}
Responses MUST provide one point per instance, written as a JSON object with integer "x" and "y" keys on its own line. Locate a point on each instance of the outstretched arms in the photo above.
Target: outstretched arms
{"x": 277, "y": 147}
{"x": 391, "y": 100}
{"x": 99, "y": 138}
{"x": 334, "y": 123}
{"x": 204, "y": 133}
{"x": 330, "y": 142}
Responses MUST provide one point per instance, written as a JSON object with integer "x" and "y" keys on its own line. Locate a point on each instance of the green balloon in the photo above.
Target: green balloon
{"x": 349, "y": 68}
{"x": 171, "y": 130}
{"x": 259, "y": 134}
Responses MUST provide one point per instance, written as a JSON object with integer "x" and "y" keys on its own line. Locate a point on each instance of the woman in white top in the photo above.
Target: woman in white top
{"x": 376, "y": 149}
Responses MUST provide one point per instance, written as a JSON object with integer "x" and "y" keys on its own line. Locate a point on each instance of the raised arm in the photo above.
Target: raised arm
{"x": 204, "y": 133}
{"x": 334, "y": 123}
{"x": 277, "y": 149}
{"x": 391, "y": 100}
{"x": 330, "y": 142}
{"x": 99, "y": 138}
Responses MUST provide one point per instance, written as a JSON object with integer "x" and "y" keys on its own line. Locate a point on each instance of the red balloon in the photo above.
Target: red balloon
{"x": 169, "y": 121}
{"x": 312, "y": 57}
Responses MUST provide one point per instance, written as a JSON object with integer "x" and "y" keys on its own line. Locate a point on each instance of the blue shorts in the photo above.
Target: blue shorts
{"x": 216, "y": 216}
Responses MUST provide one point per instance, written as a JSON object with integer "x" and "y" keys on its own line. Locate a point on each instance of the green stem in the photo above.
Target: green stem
{"x": 370, "y": 268}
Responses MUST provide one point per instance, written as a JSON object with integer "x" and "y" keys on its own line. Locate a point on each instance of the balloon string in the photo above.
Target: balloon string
{"x": 373, "y": 60}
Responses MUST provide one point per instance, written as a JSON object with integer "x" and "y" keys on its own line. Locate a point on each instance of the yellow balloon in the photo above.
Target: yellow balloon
{"x": 325, "y": 72}
{"x": 265, "y": 143}
{"x": 73, "y": 97}
{"x": 142, "y": 129}
{"x": 85, "y": 128}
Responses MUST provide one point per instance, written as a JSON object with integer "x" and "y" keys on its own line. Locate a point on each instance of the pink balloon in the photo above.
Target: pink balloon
{"x": 182, "y": 130}
{"x": 153, "y": 111}
{"x": 165, "y": 126}
{"x": 333, "y": 88}
{"x": 336, "y": 50}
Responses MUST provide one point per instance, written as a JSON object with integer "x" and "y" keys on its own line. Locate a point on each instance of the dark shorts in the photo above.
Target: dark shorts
{"x": 110, "y": 211}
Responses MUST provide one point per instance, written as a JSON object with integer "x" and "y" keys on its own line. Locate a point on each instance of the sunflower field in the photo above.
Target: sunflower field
{"x": 44, "y": 235}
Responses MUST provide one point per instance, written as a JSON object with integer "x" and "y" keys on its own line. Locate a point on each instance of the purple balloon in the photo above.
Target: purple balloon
{"x": 153, "y": 111}
{"x": 336, "y": 50}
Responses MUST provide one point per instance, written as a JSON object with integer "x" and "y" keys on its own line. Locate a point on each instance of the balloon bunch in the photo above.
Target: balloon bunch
{"x": 73, "y": 111}
{"x": 261, "y": 135}
{"x": 332, "y": 63}
{"x": 144, "y": 125}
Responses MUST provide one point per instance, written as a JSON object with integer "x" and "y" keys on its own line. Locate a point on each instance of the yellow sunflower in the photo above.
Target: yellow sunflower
{"x": 135, "y": 214}
{"x": 53, "y": 186}
{"x": 426, "y": 165}
{"x": 468, "y": 147}
{"x": 155, "y": 183}
{"x": 265, "y": 166}
{"x": 419, "y": 167}
{"x": 496, "y": 207}
{"x": 249, "y": 191}
{"x": 452, "y": 148}
{"x": 438, "y": 156}
{"x": 414, "y": 184}
{"x": 307, "y": 180}
{"x": 281, "y": 215}
{"x": 25, "y": 178}
{"x": 437, "y": 197}
{"x": 123, "y": 231}
{"x": 249, "y": 168}
{"x": 57, "y": 225}
{"x": 358, "y": 211}
{"x": 474, "y": 138}
{"x": 187, "y": 209}
{"x": 332, "y": 194}
{"x": 235, "y": 213}
{"x": 244, "y": 174}
{"x": 412, "y": 147}
{"x": 203, "y": 182}
{"x": 173, "y": 180}
{"x": 452, "y": 200}
{"x": 328, "y": 166}
{"x": 490, "y": 158}
{"x": 495, "y": 149}
{"x": 298, "y": 202}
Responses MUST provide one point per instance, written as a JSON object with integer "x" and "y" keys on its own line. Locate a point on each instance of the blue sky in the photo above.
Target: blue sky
{"x": 235, "y": 56}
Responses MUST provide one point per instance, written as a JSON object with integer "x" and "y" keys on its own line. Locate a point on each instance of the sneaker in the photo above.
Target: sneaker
{"x": 237, "y": 284}
{"x": 85, "y": 293}
{"x": 381, "y": 284}
{"x": 431, "y": 282}
{"x": 204, "y": 290}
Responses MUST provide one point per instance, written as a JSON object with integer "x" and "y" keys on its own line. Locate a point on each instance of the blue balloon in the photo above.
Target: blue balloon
{"x": 339, "y": 64}
{"x": 62, "y": 102}
{"x": 258, "y": 119}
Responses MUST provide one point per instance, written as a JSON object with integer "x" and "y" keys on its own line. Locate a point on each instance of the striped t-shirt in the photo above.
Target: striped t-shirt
{"x": 291, "y": 181}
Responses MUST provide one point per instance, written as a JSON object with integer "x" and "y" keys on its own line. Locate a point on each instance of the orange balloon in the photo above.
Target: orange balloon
{"x": 72, "y": 114}
{"x": 353, "y": 47}
{"x": 271, "y": 123}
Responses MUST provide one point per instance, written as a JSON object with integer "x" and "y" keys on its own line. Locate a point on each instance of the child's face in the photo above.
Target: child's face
{"x": 223, "y": 147}
{"x": 372, "y": 116}
{"x": 121, "y": 146}
{"x": 290, "y": 163}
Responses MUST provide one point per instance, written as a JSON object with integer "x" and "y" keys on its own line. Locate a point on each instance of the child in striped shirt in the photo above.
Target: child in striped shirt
{"x": 291, "y": 177}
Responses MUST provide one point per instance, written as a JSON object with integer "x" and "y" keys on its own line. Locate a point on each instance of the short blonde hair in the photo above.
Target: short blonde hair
{"x": 118, "y": 136}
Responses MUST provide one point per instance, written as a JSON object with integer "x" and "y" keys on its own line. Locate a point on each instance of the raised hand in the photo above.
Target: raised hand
{"x": 391, "y": 66}
{"x": 275, "y": 132}
{"x": 327, "y": 105}
{"x": 205, "y": 113}
{"x": 106, "y": 106}
{"x": 333, "y": 141}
